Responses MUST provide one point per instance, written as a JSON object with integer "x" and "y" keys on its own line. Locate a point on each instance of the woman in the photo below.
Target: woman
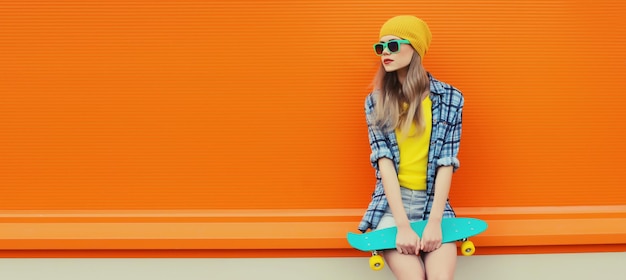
{"x": 414, "y": 125}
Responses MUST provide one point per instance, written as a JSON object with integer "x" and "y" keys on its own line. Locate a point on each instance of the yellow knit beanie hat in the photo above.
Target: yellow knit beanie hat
{"x": 410, "y": 28}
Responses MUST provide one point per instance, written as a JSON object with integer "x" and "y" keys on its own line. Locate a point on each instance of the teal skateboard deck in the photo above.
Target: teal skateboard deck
{"x": 452, "y": 229}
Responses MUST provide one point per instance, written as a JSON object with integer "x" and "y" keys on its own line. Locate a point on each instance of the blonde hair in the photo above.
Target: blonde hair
{"x": 389, "y": 112}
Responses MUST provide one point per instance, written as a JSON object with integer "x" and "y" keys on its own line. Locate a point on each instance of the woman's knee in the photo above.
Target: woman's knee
{"x": 441, "y": 264}
{"x": 405, "y": 267}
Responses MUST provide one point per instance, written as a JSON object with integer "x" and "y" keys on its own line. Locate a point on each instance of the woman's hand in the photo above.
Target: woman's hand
{"x": 431, "y": 239}
{"x": 407, "y": 241}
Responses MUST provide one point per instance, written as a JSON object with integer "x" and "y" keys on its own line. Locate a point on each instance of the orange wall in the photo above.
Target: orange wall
{"x": 245, "y": 104}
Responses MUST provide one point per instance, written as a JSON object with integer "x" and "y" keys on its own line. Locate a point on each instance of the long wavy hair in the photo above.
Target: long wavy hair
{"x": 390, "y": 113}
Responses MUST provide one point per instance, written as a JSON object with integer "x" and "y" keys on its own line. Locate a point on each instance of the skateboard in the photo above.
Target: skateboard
{"x": 452, "y": 229}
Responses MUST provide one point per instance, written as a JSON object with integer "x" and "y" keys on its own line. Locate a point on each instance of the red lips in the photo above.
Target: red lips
{"x": 387, "y": 61}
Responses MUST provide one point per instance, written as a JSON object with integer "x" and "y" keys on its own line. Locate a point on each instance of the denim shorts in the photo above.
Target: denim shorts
{"x": 414, "y": 203}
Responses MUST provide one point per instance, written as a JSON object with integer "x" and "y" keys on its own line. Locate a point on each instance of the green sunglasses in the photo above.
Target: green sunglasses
{"x": 393, "y": 46}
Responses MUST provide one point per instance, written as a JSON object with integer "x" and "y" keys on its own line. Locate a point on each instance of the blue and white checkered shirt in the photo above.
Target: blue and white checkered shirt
{"x": 447, "y": 109}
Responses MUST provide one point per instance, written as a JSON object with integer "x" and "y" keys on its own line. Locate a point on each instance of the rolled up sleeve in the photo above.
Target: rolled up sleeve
{"x": 452, "y": 142}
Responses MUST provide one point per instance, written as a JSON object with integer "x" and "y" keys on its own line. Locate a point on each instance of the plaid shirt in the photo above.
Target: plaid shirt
{"x": 447, "y": 108}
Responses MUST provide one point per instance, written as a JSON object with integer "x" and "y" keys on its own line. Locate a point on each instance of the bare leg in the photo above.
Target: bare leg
{"x": 404, "y": 267}
{"x": 440, "y": 264}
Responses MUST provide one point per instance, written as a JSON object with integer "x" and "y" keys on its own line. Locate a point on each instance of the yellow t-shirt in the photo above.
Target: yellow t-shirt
{"x": 414, "y": 152}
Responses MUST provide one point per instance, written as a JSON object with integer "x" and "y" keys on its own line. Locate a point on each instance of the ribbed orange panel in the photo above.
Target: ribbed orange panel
{"x": 259, "y": 104}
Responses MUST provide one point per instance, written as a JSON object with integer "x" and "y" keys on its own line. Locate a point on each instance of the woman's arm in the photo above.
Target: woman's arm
{"x": 381, "y": 159}
{"x": 392, "y": 191}
{"x": 446, "y": 166}
{"x": 407, "y": 241}
{"x": 443, "y": 181}
{"x": 432, "y": 237}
